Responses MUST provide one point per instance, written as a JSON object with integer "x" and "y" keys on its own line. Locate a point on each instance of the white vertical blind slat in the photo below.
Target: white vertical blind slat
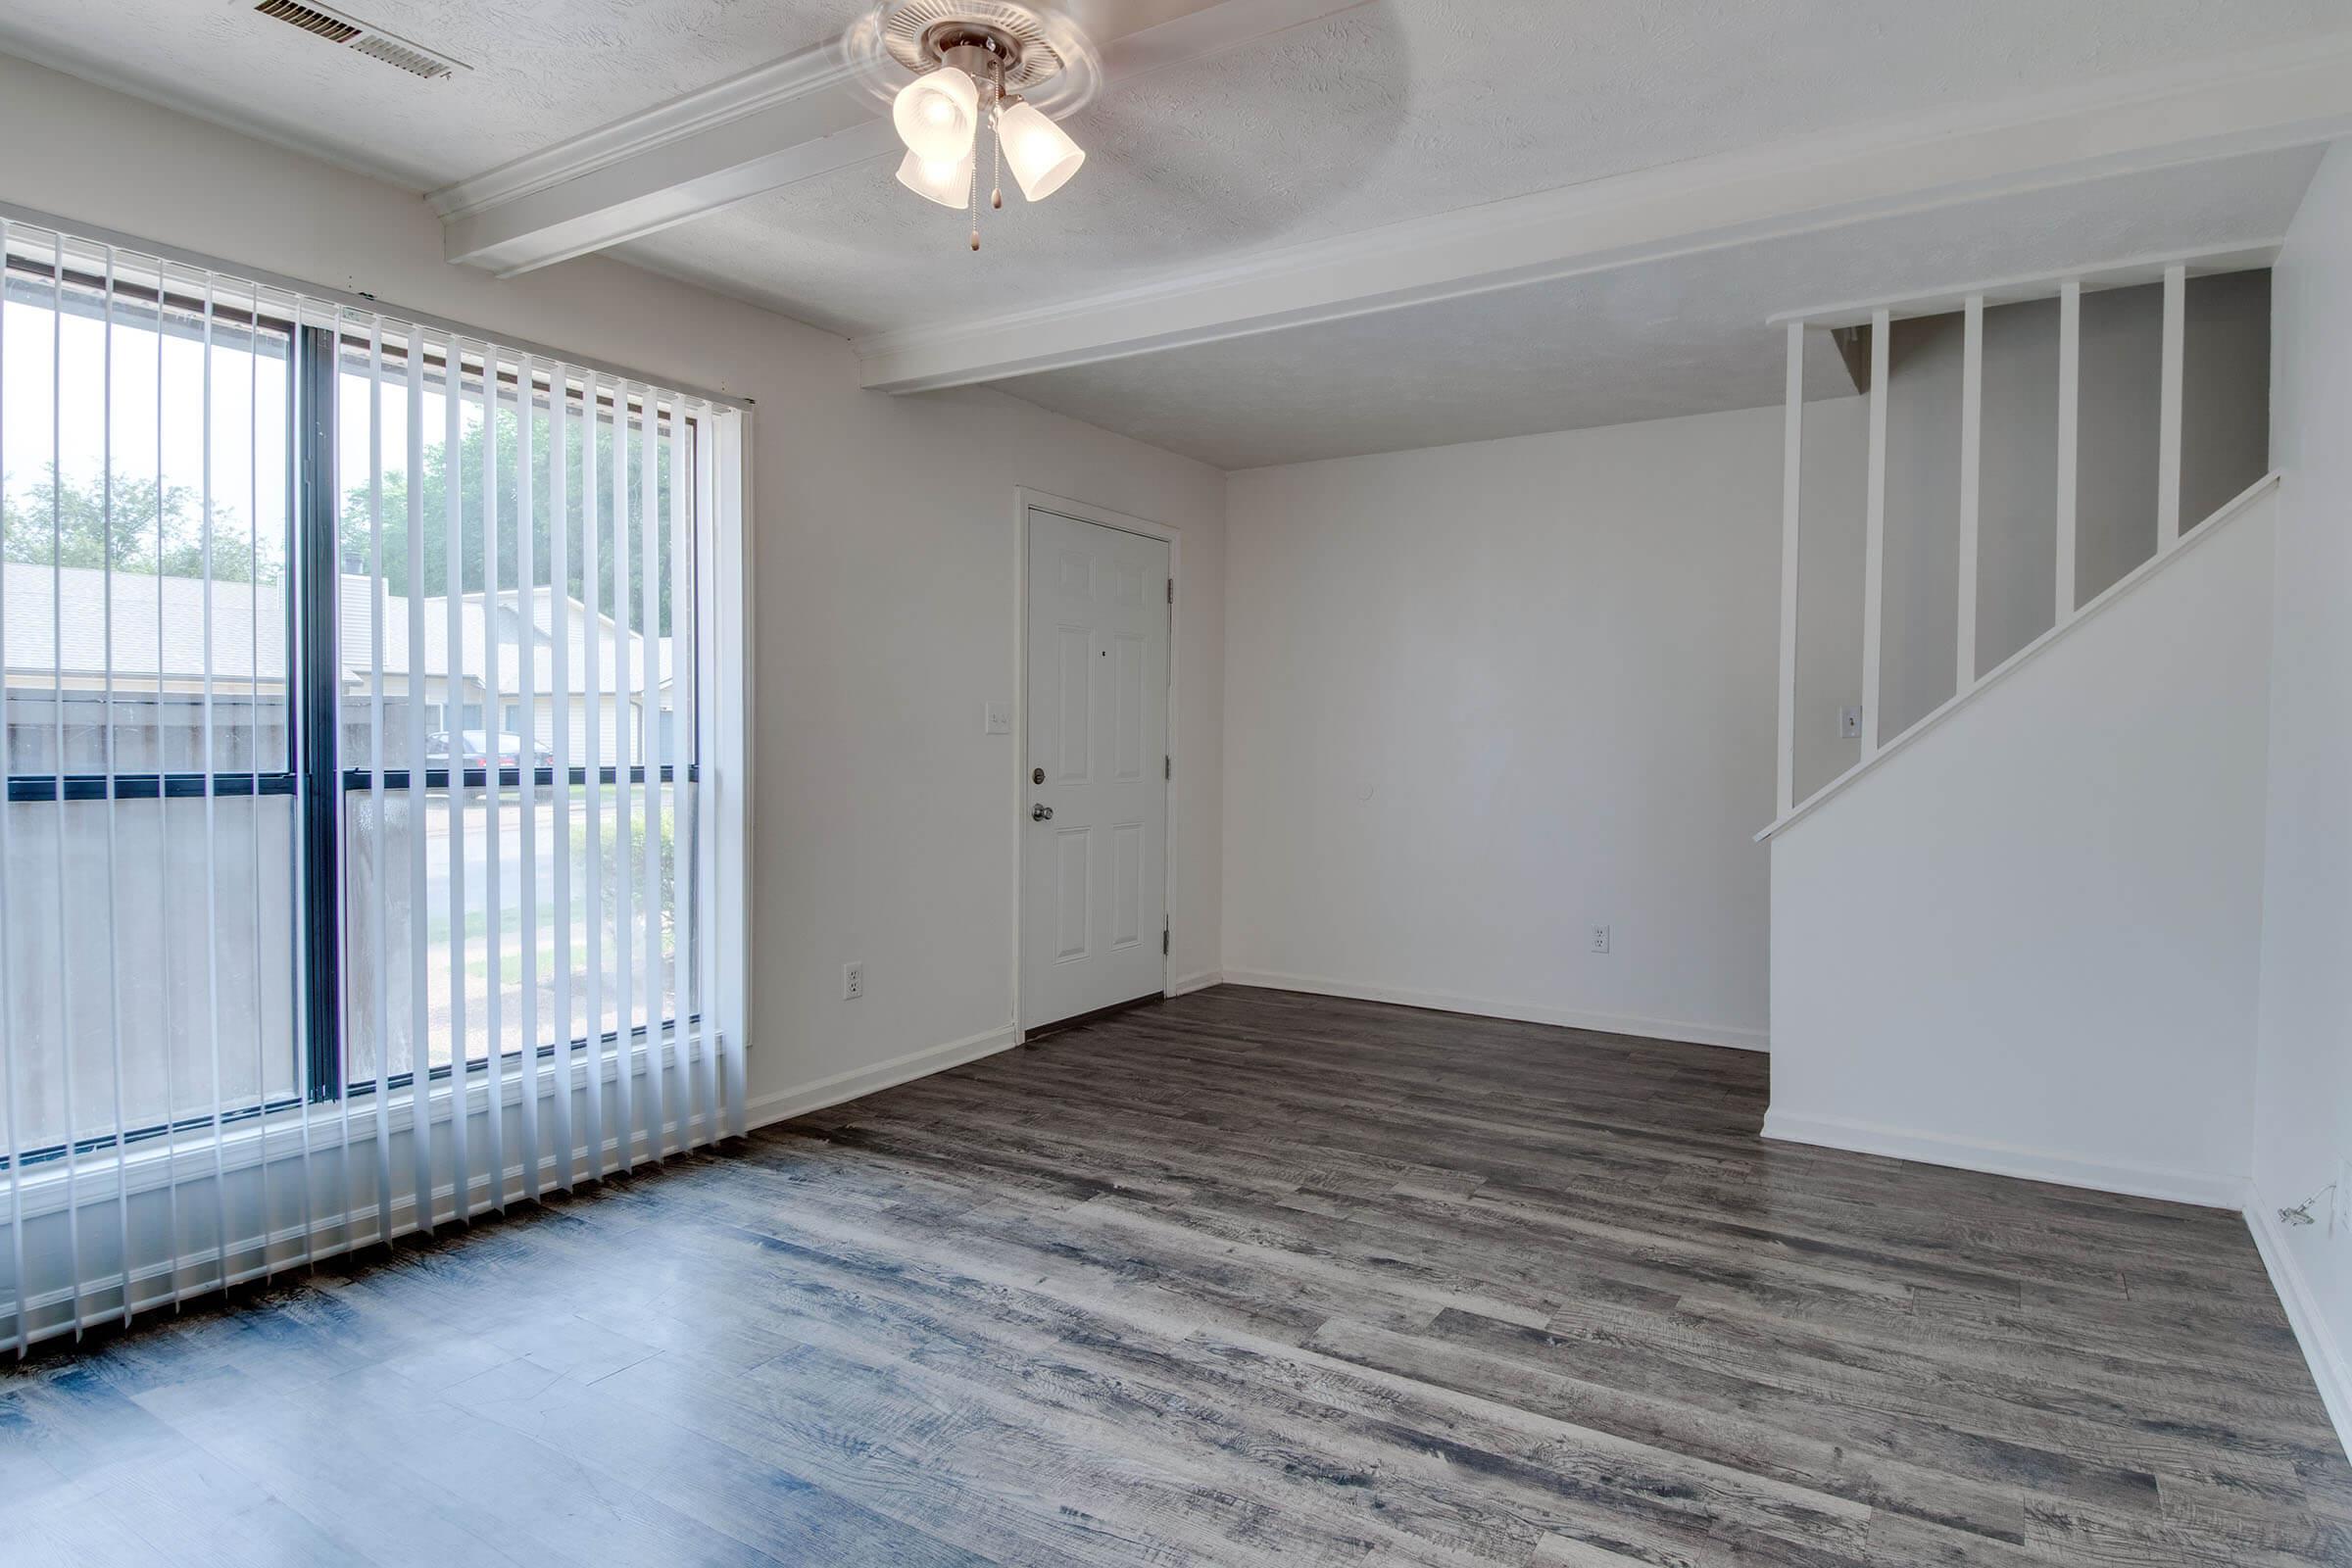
{"x": 677, "y": 749}
{"x": 57, "y": 757}
{"x": 493, "y": 726}
{"x": 418, "y": 804}
{"x": 253, "y": 574}
{"x": 114, "y": 895}
{"x": 559, "y": 597}
{"x": 727, "y": 484}
{"x": 346, "y": 1185}
{"x": 380, "y": 926}
{"x": 163, "y": 867}
{"x": 20, "y": 1320}
{"x": 453, "y": 724}
{"x": 649, "y": 717}
{"x": 591, "y": 650}
{"x": 298, "y": 373}
{"x": 623, "y": 905}
{"x": 706, "y": 709}
{"x": 526, "y": 762}
{"x": 211, "y": 824}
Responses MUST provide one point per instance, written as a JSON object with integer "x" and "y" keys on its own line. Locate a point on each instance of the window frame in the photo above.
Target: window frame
{"x": 329, "y": 782}
{"x": 313, "y": 772}
{"x": 188, "y": 783}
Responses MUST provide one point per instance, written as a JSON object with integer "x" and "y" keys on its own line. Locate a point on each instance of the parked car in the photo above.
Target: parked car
{"x": 473, "y": 745}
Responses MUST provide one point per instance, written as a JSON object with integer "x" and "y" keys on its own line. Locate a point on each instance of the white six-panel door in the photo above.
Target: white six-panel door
{"x": 1095, "y": 845}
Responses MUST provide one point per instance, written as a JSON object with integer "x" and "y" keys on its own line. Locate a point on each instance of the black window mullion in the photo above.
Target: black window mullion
{"x": 317, "y": 722}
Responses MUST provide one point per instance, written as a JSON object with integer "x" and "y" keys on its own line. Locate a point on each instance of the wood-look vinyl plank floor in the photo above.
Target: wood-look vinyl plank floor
{"x": 1248, "y": 1277}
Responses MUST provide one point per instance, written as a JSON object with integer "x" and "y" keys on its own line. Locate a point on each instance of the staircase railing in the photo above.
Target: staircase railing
{"x": 1970, "y": 305}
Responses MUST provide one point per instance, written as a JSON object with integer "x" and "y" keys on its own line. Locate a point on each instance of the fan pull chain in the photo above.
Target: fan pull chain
{"x": 996, "y": 124}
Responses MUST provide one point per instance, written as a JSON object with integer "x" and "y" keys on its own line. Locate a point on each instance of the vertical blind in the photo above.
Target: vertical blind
{"x": 359, "y": 866}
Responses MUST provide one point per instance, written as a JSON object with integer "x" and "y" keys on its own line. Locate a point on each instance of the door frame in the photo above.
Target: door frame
{"x": 1025, "y": 497}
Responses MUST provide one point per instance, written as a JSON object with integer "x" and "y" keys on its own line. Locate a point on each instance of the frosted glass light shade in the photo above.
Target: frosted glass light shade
{"x": 937, "y": 114}
{"x": 945, "y": 183}
{"x": 1041, "y": 155}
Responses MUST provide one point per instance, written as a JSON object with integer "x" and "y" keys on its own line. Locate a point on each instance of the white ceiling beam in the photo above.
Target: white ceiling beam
{"x": 787, "y": 121}
{"x": 2249, "y": 102}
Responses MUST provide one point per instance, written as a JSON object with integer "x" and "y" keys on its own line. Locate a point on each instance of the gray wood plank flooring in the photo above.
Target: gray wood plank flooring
{"x": 1244, "y": 1278}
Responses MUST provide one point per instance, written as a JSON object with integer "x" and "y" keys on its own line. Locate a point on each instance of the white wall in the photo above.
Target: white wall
{"x": 2303, "y": 1109}
{"x": 2029, "y": 941}
{"x": 886, "y": 821}
{"x": 1481, "y": 697}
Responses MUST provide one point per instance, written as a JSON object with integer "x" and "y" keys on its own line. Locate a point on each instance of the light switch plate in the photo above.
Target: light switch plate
{"x": 995, "y": 718}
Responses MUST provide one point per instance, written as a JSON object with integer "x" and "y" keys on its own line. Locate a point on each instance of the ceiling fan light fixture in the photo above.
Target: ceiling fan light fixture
{"x": 937, "y": 115}
{"x": 1042, "y": 154}
{"x": 954, "y": 72}
{"x": 946, "y": 183}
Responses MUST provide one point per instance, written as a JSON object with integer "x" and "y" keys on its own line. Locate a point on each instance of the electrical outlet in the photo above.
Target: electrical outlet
{"x": 1601, "y": 939}
{"x": 853, "y": 980}
{"x": 1849, "y": 723}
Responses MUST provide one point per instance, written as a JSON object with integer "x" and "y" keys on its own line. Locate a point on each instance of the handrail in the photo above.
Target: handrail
{"x": 2243, "y": 502}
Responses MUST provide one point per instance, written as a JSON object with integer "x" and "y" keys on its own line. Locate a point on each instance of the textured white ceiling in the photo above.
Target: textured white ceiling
{"x": 542, "y": 70}
{"x": 1395, "y": 109}
{"x": 1411, "y": 107}
{"x": 1671, "y": 337}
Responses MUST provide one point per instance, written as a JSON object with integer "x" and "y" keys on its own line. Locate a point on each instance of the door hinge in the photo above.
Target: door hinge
{"x": 1163, "y": 941}
{"x": 1171, "y": 589}
{"x": 1167, "y": 767}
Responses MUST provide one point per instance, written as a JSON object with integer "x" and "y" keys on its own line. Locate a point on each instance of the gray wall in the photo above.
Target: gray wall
{"x": 2224, "y": 447}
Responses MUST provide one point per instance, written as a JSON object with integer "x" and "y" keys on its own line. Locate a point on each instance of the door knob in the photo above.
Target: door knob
{"x": 1041, "y": 813}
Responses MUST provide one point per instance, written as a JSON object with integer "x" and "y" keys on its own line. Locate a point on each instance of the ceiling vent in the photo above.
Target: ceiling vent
{"x": 374, "y": 42}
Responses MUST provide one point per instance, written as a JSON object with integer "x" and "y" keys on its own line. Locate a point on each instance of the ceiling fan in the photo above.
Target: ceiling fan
{"x": 958, "y": 72}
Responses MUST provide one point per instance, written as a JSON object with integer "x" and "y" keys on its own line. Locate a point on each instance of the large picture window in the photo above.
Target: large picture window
{"x": 359, "y": 677}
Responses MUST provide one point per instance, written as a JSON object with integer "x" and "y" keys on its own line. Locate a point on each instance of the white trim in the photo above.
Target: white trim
{"x": 1972, "y": 474}
{"x": 2167, "y": 417}
{"x": 2017, "y": 288}
{"x": 2285, "y": 97}
{"x": 1793, "y": 456}
{"x": 1873, "y": 535}
{"x": 782, "y": 1104}
{"x": 2205, "y": 1189}
{"x": 2304, "y": 1315}
{"x": 1186, "y": 985}
{"x": 2064, "y": 607}
{"x": 1024, "y": 497}
{"x": 1672, "y": 1030}
{"x": 2236, "y": 507}
{"x": 764, "y": 86}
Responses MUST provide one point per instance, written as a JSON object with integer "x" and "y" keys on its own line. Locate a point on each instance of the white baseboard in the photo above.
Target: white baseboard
{"x": 1673, "y": 1029}
{"x": 783, "y": 1104}
{"x": 2206, "y": 1188}
{"x": 2303, "y": 1313}
{"x": 1190, "y": 983}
